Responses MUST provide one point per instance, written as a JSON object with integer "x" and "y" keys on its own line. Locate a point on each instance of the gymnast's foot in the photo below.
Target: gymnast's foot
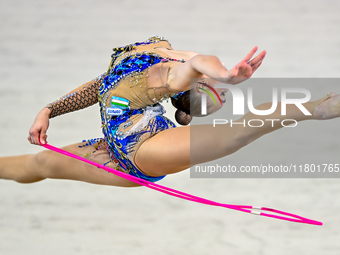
{"x": 328, "y": 108}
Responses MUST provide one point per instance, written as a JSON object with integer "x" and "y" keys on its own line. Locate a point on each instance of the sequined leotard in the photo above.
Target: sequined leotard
{"x": 128, "y": 104}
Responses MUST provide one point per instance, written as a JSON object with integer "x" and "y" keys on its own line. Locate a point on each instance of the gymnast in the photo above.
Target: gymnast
{"x": 138, "y": 138}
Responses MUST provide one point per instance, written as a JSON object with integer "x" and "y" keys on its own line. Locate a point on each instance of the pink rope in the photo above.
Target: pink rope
{"x": 243, "y": 208}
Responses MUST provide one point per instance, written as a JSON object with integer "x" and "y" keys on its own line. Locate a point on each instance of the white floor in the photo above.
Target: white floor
{"x": 47, "y": 48}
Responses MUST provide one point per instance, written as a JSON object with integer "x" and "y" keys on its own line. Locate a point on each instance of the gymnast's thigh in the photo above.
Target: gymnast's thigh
{"x": 59, "y": 166}
{"x": 165, "y": 153}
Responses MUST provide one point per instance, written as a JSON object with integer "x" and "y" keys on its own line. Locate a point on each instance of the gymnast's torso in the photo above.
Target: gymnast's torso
{"x": 129, "y": 96}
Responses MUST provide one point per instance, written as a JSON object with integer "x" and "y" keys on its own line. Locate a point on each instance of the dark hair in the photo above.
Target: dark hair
{"x": 182, "y": 103}
{"x": 188, "y": 104}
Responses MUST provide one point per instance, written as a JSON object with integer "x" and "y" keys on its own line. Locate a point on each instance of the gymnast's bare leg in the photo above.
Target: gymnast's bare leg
{"x": 169, "y": 151}
{"x": 49, "y": 164}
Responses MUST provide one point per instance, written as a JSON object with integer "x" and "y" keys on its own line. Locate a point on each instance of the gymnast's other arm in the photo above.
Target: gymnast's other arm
{"x": 199, "y": 65}
{"x": 79, "y": 98}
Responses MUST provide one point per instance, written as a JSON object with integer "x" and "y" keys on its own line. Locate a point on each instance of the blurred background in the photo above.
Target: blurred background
{"x": 48, "y": 48}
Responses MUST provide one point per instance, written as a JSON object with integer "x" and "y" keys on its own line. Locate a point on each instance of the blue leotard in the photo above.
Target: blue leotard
{"x": 130, "y": 111}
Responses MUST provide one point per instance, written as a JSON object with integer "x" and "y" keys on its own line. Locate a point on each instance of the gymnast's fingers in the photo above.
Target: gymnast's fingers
{"x": 250, "y": 54}
{"x": 29, "y": 139}
{"x": 42, "y": 138}
{"x": 256, "y": 66}
{"x": 34, "y": 137}
{"x": 258, "y": 58}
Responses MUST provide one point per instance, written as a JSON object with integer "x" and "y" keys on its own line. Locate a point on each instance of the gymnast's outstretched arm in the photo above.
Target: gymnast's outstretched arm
{"x": 79, "y": 98}
{"x": 199, "y": 65}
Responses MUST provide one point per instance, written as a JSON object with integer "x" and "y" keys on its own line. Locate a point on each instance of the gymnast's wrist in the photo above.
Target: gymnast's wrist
{"x": 227, "y": 76}
{"x": 46, "y": 111}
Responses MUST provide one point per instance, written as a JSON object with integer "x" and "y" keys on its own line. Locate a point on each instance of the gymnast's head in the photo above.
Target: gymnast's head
{"x": 188, "y": 103}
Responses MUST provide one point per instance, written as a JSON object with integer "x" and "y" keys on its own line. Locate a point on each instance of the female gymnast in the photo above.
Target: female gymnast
{"x": 138, "y": 139}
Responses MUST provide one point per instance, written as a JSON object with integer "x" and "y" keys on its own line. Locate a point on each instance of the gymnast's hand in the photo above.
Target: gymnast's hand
{"x": 245, "y": 69}
{"x": 39, "y": 127}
